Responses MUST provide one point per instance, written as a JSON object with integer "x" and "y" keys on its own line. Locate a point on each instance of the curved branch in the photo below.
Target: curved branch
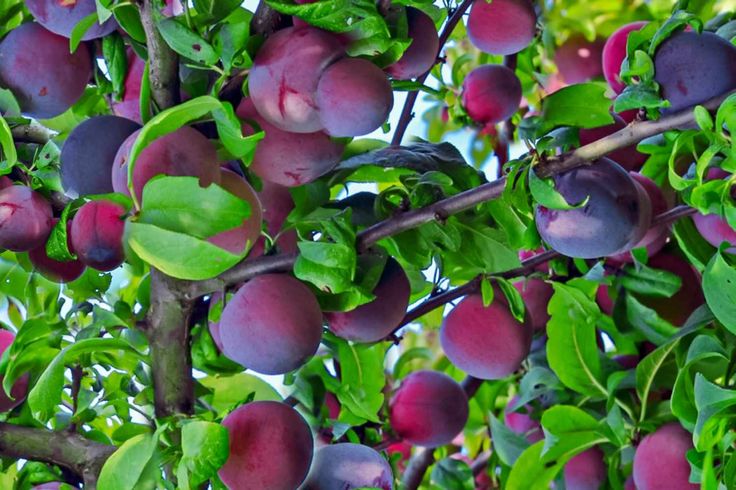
{"x": 82, "y": 456}
{"x": 163, "y": 61}
{"x": 411, "y": 97}
{"x": 32, "y": 133}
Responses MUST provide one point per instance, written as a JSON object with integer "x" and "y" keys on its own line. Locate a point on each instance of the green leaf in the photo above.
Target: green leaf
{"x": 230, "y": 391}
{"x": 544, "y": 192}
{"x": 361, "y": 388}
{"x": 513, "y": 297}
{"x": 646, "y": 320}
{"x": 57, "y": 245}
{"x": 80, "y": 29}
{"x": 569, "y": 431}
{"x": 205, "y": 448}
{"x": 506, "y": 443}
{"x": 719, "y": 287}
{"x": 46, "y": 393}
{"x": 711, "y": 401}
{"x": 571, "y": 347}
{"x": 584, "y": 105}
{"x": 453, "y": 474}
{"x": 7, "y": 144}
{"x": 123, "y": 470}
{"x": 177, "y": 254}
{"x": 401, "y": 368}
{"x": 646, "y": 280}
{"x": 186, "y": 42}
{"x": 486, "y": 291}
{"x": 528, "y": 473}
{"x": 113, "y": 49}
{"x": 648, "y": 369}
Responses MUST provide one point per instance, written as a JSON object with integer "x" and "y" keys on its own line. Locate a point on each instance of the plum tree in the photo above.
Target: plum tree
{"x": 660, "y": 462}
{"x": 348, "y": 466}
{"x": 585, "y": 471}
{"x": 422, "y": 52}
{"x": 428, "y": 409}
{"x": 129, "y": 104}
{"x": 25, "y": 218}
{"x": 270, "y": 447}
{"x": 89, "y": 152}
{"x": 373, "y": 321}
{"x": 354, "y": 97}
{"x": 502, "y": 26}
{"x": 629, "y": 158}
{"x": 61, "y": 17}
{"x": 243, "y": 237}
{"x": 579, "y": 60}
{"x": 491, "y": 93}
{"x": 692, "y": 68}
{"x": 20, "y": 388}
{"x": 277, "y": 203}
{"x": 286, "y": 70}
{"x": 655, "y": 238}
{"x": 289, "y": 159}
{"x": 97, "y": 234}
{"x": 615, "y": 217}
{"x": 536, "y": 294}
{"x": 521, "y": 422}
{"x": 55, "y": 270}
{"x": 614, "y": 53}
{"x": 272, "y": 325}
{"x": 678, "y": 308}
{"x": 486, "y": 342}
{"x": 185, "y": 152}
{"x": 35, "y": 64}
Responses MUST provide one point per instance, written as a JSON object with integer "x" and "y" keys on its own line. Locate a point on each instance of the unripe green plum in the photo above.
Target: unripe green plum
{"x": 354, "y": 97}
{"x": 25, "y": 218}
{"x": 270, "y": 447}
{"x": 615, "y": 218}
{"x": 97, "y": 234}
{"x": 348, "y": 466}
{"x": 585, "y": 471}
{"x": 660, "y": 460}
{"x": 486, "y": 342}
{"x": 422, "y": 52}
{"x": 501, "y": 26}
{"x": 428, "y": 409}
{"x": 374, "y": 321}
{"x": 491, "y": 93}
{"x": 272, "y": 325}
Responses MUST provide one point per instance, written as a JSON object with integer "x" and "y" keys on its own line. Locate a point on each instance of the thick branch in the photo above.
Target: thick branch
{"x": 32, "y": 133}
{"x": 411, "y": 97}
{"x": 80, "y": 455}
{"x": 163, "y": 61}
{"x": 168, "y": 337}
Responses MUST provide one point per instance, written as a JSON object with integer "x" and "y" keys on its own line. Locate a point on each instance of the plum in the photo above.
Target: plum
{"x": 660, "y": 461}
{"x": 20, "y": 387}
{"x": 97, "y": 234}
{"x": 421, "y": 54}
{"x": 354, "y": 97}
{"x": 586, "y": 471}
{"x": 522, "y": 423}
{"x": 62, "y": 16}
{"x": 692, "y": 68}
{"x": 501, "y": 26}
{"x": 25, "y": 218}
{"x": 89, "y": 152}
{"x": 185, "y": 152}
{"x": 486, "y": 342}
{"x": 35, "y": 64}
{"x": 289, "y": 159}
{"x": 373, "y": 321}
{"x": 603, "y": 298}
{"x": 491, "y": 93}
{"x": 579, "y": 60}
{"x": 272, "y": 325}
{"x": 655, "y": 238}
{"x": 615, "y": 218}
{"x": 277, "y": 203}
{"x": 428, "y": 409}
{"x": 678, "y": 308}
{"x": 238, "y": 239}
{"x": 348, "y": 466}
{"x": 536, "y": 295}
{"x": 286, "y": 70}
{"x": 715, "y": 230}
{"x": 55, "y": 270}
{"x": 614, "y": 53}
{"x": 270, "y": 447}
{"x": 129, "y": 106}
{"x": 629, "y": 158}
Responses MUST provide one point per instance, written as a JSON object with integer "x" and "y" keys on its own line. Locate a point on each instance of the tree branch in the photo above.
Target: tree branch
{"x": 32, "y": 133}
{"x": 79, "y": 454}
{"x": 411, "y": 97}
{"x": 265, "y": 20}
{"x": 163, "y": 61}
{"x": 168, "y": 337}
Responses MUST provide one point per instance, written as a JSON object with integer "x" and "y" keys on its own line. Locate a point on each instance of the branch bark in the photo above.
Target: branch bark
{"x": 32, "y": 133}
{"x": 163, "y": 61}
{"x": 80, "y": 455}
